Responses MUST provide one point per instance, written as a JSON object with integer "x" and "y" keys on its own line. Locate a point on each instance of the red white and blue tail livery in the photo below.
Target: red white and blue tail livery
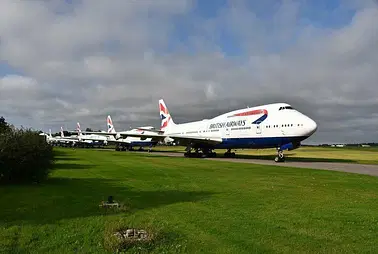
{"x": 110, "y": 125}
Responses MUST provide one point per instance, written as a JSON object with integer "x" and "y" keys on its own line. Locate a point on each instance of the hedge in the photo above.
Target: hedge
{"x": 25, "y": 157}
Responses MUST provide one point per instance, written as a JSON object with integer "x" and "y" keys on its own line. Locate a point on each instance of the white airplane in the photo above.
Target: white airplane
{"x": 71, "y": 140}
{"x": 91, "y": 139}
{"x": 129, "y": 142}
{"x": 48, "y": 137}
{"x": 275, "y": 125}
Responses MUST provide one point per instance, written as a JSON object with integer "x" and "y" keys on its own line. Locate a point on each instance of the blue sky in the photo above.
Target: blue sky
{"x": 6, "y": 69}
{"x": 321, "y": 14}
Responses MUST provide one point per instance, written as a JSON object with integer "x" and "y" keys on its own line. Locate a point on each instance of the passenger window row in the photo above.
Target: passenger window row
{"x": 283, "y": 125}
{"x": 241, "y": 128}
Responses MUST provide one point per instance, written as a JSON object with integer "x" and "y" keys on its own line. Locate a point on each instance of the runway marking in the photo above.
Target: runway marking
{"x": 332, "y": 166}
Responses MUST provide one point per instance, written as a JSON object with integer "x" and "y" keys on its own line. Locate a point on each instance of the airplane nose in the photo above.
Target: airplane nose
{"x": 312, "y": 126}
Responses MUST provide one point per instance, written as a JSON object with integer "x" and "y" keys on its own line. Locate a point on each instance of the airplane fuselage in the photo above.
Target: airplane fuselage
{"x": 267, "y": 126}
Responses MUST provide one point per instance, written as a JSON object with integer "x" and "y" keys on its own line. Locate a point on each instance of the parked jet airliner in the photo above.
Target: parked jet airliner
{"x": 71, "y": 140}
{"x": 127, "y": 143}
{"x": 49, "y": 138}
{"x": 91, "y": 139}
{"x": 276, "y": 125}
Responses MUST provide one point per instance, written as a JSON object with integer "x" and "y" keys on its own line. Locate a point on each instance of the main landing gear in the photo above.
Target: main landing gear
{"x": 229, "y": 154}
{"x": 122, "y": 147}
{"x": 199, "y": 153}
{"x": 280, "y": 156}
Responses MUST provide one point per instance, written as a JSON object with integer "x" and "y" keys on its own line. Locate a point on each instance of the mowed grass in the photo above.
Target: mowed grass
{"x": 360, "y": 155}
{"x": 197, "y": 206}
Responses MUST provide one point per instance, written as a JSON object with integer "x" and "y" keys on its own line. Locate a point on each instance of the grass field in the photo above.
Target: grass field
{"x": 358, "y": 155}
{"x": 194, "y": 205}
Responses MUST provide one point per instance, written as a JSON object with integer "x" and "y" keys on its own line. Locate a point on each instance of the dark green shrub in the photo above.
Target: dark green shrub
{"x": 24, "y": 157}
{"x": 4, "y": 126}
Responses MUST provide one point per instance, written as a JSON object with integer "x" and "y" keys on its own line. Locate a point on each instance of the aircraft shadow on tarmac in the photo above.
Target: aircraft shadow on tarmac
{"x": 271, "y": 157}
{"x": 293, "y": 159}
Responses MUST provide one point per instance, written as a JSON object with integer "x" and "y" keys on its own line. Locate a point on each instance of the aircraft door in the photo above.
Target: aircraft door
{"x": 228, "y": 130}
{"x": 258, "y": 128}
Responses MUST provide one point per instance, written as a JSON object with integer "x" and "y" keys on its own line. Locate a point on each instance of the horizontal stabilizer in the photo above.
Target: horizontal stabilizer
{"x": 99, "y": 133}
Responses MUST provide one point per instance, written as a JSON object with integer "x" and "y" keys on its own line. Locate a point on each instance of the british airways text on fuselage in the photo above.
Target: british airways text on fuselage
{"x": 227, "y": 124}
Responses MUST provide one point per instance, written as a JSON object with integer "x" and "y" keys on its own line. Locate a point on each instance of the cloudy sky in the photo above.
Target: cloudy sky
{"x": 65, "y": 61}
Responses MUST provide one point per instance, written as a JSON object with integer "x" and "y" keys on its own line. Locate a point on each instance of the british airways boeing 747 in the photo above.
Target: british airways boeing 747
{"x": 276, "y": 125}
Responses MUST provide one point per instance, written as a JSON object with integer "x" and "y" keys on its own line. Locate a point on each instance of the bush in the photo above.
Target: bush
{"x": 25, "y": 156}
{"x": 4, "y": 126}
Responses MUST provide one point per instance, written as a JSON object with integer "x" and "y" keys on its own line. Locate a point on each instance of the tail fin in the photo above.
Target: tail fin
{"x": 78, "y": 129}
{"x": 166, "y": 119}
{"x": 111, "y": 128}
{"x": 61, "y": 132}
{"x": 50, "y": 135}
{"x": 110, "y": 125}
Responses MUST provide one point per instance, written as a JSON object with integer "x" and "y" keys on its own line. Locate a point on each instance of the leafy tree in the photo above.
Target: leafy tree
{"x": 88, "y": 129}
{"x": 4, "y": 126}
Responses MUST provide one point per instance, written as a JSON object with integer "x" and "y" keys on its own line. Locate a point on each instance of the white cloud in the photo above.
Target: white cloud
{"x": 16, "y": 82}
{"x": 82, "y": 62}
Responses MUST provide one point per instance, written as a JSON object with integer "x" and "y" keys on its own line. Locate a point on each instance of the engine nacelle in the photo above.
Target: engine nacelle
{"x": 290, "y": 146}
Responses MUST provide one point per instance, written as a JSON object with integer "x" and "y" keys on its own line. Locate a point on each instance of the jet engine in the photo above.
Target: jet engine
{"x": 290, "y": 146}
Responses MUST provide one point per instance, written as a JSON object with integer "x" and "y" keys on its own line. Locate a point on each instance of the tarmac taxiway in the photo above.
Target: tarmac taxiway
{"x": 333, "y": 166}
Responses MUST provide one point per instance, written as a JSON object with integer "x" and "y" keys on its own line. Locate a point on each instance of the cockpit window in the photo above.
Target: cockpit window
{"x": 286, "y": 107}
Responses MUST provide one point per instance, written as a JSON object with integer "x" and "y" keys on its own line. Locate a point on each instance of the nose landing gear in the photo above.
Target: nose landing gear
{"x": 280, "y": 156}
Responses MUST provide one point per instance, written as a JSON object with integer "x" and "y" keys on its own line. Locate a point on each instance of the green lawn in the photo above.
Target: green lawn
{"x": 194, "y": 205}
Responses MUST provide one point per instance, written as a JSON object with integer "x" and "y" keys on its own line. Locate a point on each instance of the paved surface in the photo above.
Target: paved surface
{"x": 333, "y": 166}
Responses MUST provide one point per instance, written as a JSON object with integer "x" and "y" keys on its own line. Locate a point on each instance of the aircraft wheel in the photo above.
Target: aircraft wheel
{"x": 280, "y": 157}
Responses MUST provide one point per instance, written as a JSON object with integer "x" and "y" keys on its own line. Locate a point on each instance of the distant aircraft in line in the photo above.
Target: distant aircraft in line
{"x": 127, "y": 143}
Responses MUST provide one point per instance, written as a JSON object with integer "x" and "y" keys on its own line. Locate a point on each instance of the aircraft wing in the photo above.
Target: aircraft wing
{"x": 142, "y": 136}
{"x": 125, "y": 134}
{"x": 96, "y": 133}
{"x": 151, "y": 130}
{"x": 157, "y": 136}
{"x": 196, "y": 140}
{"x": 117, "y": 141}
{"x": 181, "y": 138}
